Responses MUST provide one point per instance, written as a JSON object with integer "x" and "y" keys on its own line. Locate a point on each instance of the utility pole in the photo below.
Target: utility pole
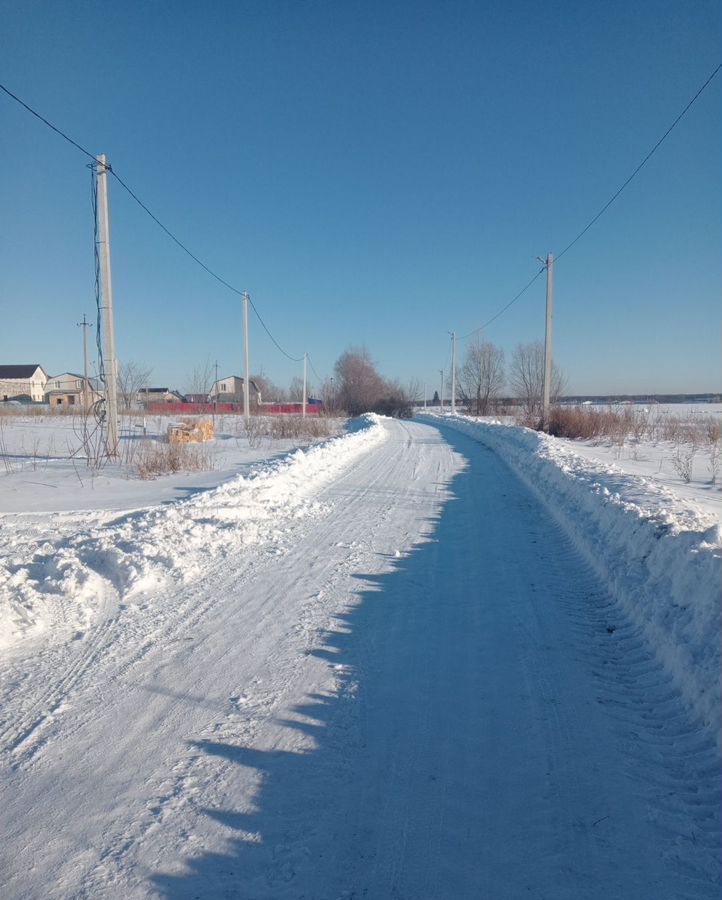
{"x": 453, "y": 373}
{"x": 110, "y": 365}
{"x": 215, "y": 395}
{"x": 441, "y": 395}
{"x": 305, "y": 395}
{"x": 548, "y": 341}
{"x": 85, "y": 325}
{"x": 246, "y": 386}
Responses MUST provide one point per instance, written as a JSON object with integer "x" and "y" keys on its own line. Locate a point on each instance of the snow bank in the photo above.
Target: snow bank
{"x": 660, "y": 557}
{"x": 61, "y": 583}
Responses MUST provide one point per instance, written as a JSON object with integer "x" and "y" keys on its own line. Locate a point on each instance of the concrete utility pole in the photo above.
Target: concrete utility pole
{"x": 110, "y": 364}
{"x": 548, "y": 341}
{"x": 85, "y": 325}
{"x": 305, "y": 394}
{"x": 453, "y": 373}
{"x": 441, "y": 395}
{"x": 215, "y": 395}
{"x": 246, "y": 385}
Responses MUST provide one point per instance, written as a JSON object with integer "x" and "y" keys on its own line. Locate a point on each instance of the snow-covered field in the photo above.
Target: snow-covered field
{"x": 43, "y": 468}
{"x": 655, "y": 459}
{"x": 431, "y": 659}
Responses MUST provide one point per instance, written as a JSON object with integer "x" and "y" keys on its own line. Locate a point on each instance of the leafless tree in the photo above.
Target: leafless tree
{"x": 526, "y": 377}
{"x": 481, "y": 377}
{"x": 132, "y": 376}
{"x": 359, "y": 385}
{"x": 327, "y": 393}
{"x": 201, "y": 379}
{"x": 295, "y": 391}
{"x": 269, "y": 390}
{"x": 414, "y": 391}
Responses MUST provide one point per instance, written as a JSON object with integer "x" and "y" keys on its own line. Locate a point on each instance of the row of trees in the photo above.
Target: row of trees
{"x": 357, "y": 386}
{"x": 483, "y": 378}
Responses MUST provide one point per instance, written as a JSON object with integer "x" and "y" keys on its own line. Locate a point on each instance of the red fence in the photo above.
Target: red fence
{"x": 272, "y": 409}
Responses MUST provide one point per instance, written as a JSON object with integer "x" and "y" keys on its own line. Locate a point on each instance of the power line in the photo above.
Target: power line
{"x": 158, "y": 222}
{"x": 266, "y": 329}
{"x": 640, "y": 166}
{"x": 603, "y": 209}
{"x": 504, "y": 308}
{"x": 49, "y": 124}
{"x": 314, "y": 370}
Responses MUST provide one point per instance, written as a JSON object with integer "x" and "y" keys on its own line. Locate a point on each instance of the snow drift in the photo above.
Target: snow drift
{"x": 61, "y": 582}
{"x": 660, "y": 558}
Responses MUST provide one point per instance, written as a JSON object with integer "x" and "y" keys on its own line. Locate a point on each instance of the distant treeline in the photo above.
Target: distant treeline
{"x": 644, "y": 398}
{"x": 607, "y": 398}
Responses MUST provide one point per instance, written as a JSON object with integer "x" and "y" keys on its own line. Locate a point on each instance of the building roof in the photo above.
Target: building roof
{"x": 21, "y": 371}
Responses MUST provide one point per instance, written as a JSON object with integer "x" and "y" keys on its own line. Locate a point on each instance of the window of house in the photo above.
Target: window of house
{"x": 71, "y": 400}
{"x": 223, "y": 387}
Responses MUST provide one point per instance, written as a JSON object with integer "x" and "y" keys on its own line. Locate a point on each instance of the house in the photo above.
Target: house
{"x": 230, "y": 390}
{"x": 23, "y": 381}
{"x": 158, "y": 395}
{"x": 67, "y": 390}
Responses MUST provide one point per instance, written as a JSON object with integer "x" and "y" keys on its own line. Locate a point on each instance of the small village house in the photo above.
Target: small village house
{"x": 158, "y": 395}
{"x": 230, "y": 390}
{"x": 25, "y": 382}
{"x": 68, "y": 390}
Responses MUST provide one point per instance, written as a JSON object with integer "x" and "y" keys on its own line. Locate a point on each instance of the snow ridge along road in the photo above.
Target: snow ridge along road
{"x": 53, "y": 581}
{"x": 66, "y": 599}
{"x": 660, "y": 557}
{"x": 413, "y": 695}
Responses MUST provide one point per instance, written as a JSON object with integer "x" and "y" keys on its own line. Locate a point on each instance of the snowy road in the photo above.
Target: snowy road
{"x": 424, "y": 693}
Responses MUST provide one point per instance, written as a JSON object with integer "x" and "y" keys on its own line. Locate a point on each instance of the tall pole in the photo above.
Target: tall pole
{"x": 453, "y": 373}
{"x": 85, "y": 325}
{"x": 548, "y": 341}
{"x": 215, "y": 395}
{"x": 305, "y": 383}
{"x": 110, "y": 365}
{"x": 246, "y": 376}
{"x": 441, "y": 395}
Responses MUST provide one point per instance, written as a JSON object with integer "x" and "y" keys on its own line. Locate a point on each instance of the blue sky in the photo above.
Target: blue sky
{"x": 373, "y": 173}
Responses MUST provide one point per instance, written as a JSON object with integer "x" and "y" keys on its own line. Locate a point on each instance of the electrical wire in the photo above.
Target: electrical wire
{"x": 504, "y": 308}
{"x": 158, "y": 222}
{"x": 640, "y": 166}
{"x": 602, "y": 210}
{"x": 49, "y": 124}
{"x": 236, "y": 290}
{"x": 318, "y": 377}
{"x": 266, "y": 329}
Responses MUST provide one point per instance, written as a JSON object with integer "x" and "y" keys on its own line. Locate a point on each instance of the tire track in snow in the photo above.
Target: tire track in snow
{"x": 254, "y": 706}
{"x": 23, "y": 728}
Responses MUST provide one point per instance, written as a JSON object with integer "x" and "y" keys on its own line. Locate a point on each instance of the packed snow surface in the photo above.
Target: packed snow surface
{"x": 660, "y": 555}
{"x": 382, "y": 668}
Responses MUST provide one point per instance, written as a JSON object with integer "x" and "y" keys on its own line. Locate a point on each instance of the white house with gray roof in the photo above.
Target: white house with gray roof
{"x": 23, "y": 381}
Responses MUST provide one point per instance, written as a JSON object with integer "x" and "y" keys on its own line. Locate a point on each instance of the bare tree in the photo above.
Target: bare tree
{"x": 359, "y": 386}
{"x": 328, "y": 395}
{"x": 132, "y": 376}
{"x": 201, "y": 379}
{"x": 269, "y": 390}
{"x": 295, "y": 391}
{"x": 482, "y": 375}
{"x": 414, "y": 391}
{"x": 526, "y": 377}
